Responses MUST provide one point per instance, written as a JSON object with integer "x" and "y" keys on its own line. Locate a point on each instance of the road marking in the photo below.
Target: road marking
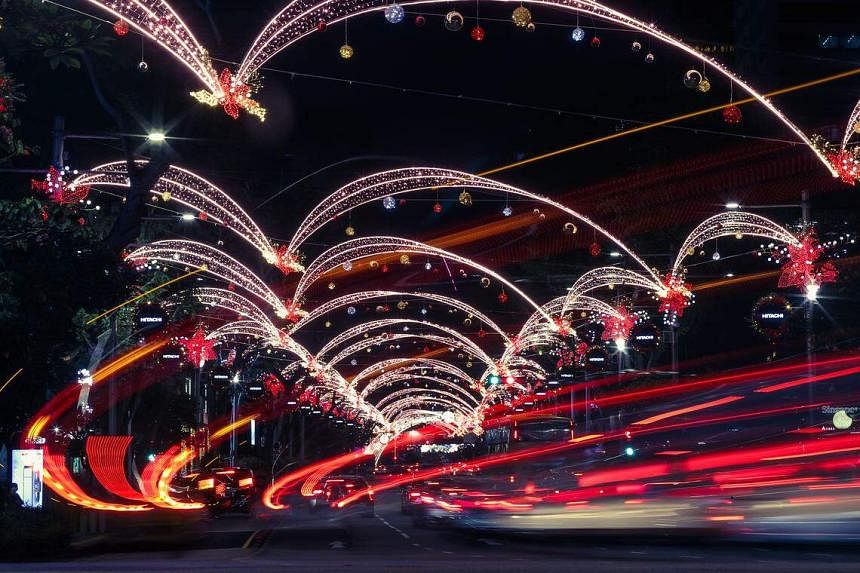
{"x": 337, "y": 545}
{"x": 448, "y": 552}
{"x": 250, "y": 539}
{"x": 402, "y": 533}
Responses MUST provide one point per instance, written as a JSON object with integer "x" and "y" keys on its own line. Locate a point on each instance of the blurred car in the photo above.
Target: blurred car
{"x": 222, "y": 490}
{"x": 332, "y": 490}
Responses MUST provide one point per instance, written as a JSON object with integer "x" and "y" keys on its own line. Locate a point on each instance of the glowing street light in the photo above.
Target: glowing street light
{"x": 733, "y": 205}
{"x": 812, "y": 291}
{"x": 188, "y": 217}
{"x": 620, "y": 344}
{"x": 156, "y": 137}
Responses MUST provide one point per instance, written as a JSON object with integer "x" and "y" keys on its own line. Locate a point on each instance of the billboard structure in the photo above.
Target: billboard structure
{"x": 27, "y": 473}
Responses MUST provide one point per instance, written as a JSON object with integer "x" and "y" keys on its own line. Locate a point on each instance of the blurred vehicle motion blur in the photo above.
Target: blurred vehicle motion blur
{"x": 221, "y": 490}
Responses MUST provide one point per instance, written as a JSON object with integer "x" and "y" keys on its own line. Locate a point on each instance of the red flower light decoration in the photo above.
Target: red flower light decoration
{"x": 233, "y": 96}
{"x": 58, "y": 190}
{"x": 273, "y": 386}
{"x": 616, "y": 327}
{"x": 286, "y": 261}
{"x": 198, "y": 349}
{"x": 801, "y": 269}
{"x": 677, "y": 295}
{"x": 503, "y": 297}
{"x": 846, "y": 164}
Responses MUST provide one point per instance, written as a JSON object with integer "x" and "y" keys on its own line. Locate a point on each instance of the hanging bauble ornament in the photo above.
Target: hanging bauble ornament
{"x": 350, "y": 310}
{"x": 649, "y": 58}
{"x": 701, "y": 253}
{"x": 465, "y": 198}
{"x": 345, "y": 51}
{"x": 521, "y": 16}
{"x": 120, "y": 28}
{"x": 328, "y": 324}
{"x": 321, "y": 26}
{"x": 373, "y": 265}
{"x": 385, "y": 267}
{"x": 453, "y": 21}
{"x": 594, "y": 249}
{"x": 203, "y": 216}
{"x": 428, "y": 266}
{"x": 389, "y": 203}
{"x": 394, "y": 13}
{"x": 437, "y": 207}
{"x": 507, "y": 211}
{"x": 420, "y": 21}
{"x": 704, "y": 86}
{"x": 691, "y": 251}
{"x": 485, "y": 282}
{"x": 530, "y": 27}
{"x": 142, "y": 66}
{"x": 503, "y": 297}
{"x": 577, "y": 34}
{"x": 404, "y": 260}
{"x": 331, "y": 286}
{"x": 353, "y": 362}
{"x": 732, "y": 115}
{"x": 166, "y": 195}
{"x": 467, "y": 322}
{"x": 482, "y": 333}
{"x": 477, "y": 33}
{"x": 569, "y": 228}
{"x": 595, "y": 42}
{"x": 350, "y": 231}
{"x": 716, "y": 256}
{"x": 692, "y": 79}
{"x": 636, "y": 46}
{"x": 347, "y": 266}
{"x": 739, "y": 235}
{"x": 380, "y": 309}
{"x": 402, "y": 305}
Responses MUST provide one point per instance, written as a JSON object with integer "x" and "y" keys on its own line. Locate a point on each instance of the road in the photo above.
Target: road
{"x": 389, "y": 542}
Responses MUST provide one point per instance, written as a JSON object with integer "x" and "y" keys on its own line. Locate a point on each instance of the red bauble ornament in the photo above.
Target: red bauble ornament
{"x": 478, "y": 33}
{"x": 82, "y": 221}
{"x": 202, "y": 216}
{"x": 120, "y": 27}
{"x": 732, "y": 115}
{"x": 44, "y": 215}
{"x": 385, "y": 268}
{"x": 420, "y": 21}
{"x": 595, "y": 42}
{"x": 2, "y": 104}
{"x": 321, "y": 26}
{"x": 482, "y": 333}
{"x": 503, "y": 297}
{"x": 437, "y": 208}
{"x": 594, "y": 249}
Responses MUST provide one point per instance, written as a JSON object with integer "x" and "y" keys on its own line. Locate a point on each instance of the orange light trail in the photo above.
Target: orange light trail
{"x": 667, "y": 121}
{"x": 12, "y": 377}
{"x": 687, "y": 410}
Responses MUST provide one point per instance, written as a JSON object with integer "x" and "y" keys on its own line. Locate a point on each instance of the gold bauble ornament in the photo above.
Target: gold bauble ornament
{"x": 373, "y": 265}
{"x": 485, "y": 282}
{"x": 404, "y": 259}
{"x": 704, "y": 86}
{"x": 570, "y": 228}
{"x": 346, "y": 51}
{"x": 521, "y": 16}
{"x": 350, "y": 231}
{"x": 328, "y": 324}
{"x": 165, "y": 195}
{"x": 739, "y": 235}
{"x": 331, "y": 286}
{"x": 402, "y": 305}
{"x": 691, "y": 251}
{"x": 465, "y": 198}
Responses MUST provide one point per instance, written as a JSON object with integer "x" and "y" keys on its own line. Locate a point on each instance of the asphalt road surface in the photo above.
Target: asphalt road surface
{"x": 390, "y": 542}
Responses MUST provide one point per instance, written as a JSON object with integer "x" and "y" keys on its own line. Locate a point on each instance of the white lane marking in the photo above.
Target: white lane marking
{"x": 402, "y": 533}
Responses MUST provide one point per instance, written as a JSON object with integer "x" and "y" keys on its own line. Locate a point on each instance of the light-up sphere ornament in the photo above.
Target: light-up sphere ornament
{"x": 394, "y": 13}
{"x": 437, "y": 207}
{"x": 120, "y": 27}
{"x": 594, "y": 249}
{"x": 636, "y": 46}
{"x": 649, "y": 58}
{"x": 453, "y": 21}
{"x": 321, "y": 26}
{"x": 465, "y": 199}
{"x": 507, "y": 211}
{"x": 732, "y": 115}
{"x": 347, "y": 266}
{"x": 477, "y": 33}
{"x": 142, "y": 66}
{"x": 349, "y": 231}
{"x": 389, "y": 203}
{"x": 350, "y": 310}
{"x": 704, "y": 86}
{"x": 405, "y": 260}
{"x": 578, "y": 34}
{"x": 716, "y": 256}
{"x": 595, "y": 42}
{"x": 841, "y": 420}
{"x": 530, "y": 27}
{"x": 428, "y": 265}
{"x": 345, "y": 51}
{"x": 521, "y": 16}
{"x": 420, "y": 21}
{"x": 692, "y": 79}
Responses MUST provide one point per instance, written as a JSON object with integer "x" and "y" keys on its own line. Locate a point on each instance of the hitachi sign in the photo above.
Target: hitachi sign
{"x": 773, "y": 315}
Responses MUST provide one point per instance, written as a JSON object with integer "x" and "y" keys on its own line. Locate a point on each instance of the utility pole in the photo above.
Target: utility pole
{"x": 808, "y": 311}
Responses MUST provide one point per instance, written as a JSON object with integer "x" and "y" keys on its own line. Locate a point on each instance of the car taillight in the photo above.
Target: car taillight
{"x": 317, "y": 491}
{"x": 414, "y": 494}
{"x": 246, "y": 482}
{"x": 206, "y": 483}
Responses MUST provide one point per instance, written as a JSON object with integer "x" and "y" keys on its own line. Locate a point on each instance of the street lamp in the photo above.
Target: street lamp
{"x": 733, "y": 205}
{"x": 156, "y": 137}
{"x": 812, "y": 291}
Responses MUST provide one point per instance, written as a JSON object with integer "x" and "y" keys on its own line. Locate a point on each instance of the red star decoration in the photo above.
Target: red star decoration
{"x": 616, "y": 327}
{"x": 198, "y": 350}
{"x": 801, "y": 268}
{"x": 677, "y": 297}
{"x": 58, "y": 190}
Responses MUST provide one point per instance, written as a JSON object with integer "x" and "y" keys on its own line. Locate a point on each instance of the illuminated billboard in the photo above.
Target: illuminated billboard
{"x": 27, "y": 473}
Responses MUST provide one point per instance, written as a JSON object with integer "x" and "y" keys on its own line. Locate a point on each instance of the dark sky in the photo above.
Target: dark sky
{"x": 315, "y": 122}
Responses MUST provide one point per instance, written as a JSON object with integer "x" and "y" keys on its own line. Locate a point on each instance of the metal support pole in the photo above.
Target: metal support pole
{"x": 58, "y": 134}
{"x": 809, "y": 313}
